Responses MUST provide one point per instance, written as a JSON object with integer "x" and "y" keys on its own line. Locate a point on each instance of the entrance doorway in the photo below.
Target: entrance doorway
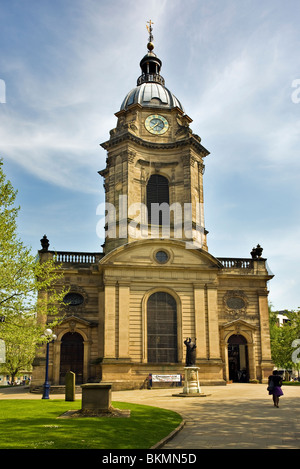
{"x": 71, "y": 357}
{"x": 238, "y": 359}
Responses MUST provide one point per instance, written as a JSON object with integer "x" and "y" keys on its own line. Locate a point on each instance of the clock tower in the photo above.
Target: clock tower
{"x": 153, "y": 179}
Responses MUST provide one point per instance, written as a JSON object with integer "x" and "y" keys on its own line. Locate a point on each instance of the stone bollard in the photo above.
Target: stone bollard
{"x": 70, "y": 386}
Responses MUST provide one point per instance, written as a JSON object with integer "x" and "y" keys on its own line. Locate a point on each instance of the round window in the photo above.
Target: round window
{"x": 161, "y": 257}
{"x": 235, "y": 303}
{"x": 73, "y": 299}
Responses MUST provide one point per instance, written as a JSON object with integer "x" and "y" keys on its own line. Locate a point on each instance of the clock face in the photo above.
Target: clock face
{"x": 156, "y": 124}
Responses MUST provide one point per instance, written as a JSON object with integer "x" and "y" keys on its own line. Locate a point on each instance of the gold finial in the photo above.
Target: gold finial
{"x": 150, "y": 26}
{"x": 150, "y": 44}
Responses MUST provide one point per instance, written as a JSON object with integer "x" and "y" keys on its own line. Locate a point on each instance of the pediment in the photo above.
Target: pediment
{"x": 145, "y": 253}
{"x": 75, "y": 319}
{"x": 238, "y": 327}
{"x": 238, "y": 324}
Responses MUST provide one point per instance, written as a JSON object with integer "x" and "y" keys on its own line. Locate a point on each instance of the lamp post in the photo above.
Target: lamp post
{"x": 50, "y": 338}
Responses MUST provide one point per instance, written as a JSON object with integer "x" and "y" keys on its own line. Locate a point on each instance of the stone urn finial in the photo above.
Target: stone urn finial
{"x": 45, "y": 243}
{"x": 256, "y": 252}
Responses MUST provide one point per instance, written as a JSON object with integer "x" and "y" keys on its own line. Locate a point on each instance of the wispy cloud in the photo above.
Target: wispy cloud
{"x": 68, "y": 65}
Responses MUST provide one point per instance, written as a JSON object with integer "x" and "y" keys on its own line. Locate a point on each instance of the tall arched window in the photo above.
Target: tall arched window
{"x": 162, "y": 328}
{"x": 157, "y": 193}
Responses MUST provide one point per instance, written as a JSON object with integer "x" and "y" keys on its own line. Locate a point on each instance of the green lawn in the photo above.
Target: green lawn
{"x": 33, "y": 424}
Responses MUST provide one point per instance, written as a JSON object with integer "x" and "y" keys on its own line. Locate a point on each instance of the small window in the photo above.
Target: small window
{"x": 161, "y": 257}
{"x": 73, "y": 299}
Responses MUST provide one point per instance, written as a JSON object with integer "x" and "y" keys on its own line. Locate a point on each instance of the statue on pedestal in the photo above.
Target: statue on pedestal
{"x": 190, "y": 352}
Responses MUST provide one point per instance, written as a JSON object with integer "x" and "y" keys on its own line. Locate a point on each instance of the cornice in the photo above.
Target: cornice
{"x": 128, "y": 136}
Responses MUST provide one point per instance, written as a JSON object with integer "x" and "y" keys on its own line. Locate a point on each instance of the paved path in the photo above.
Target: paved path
{"x": 236, "y": 416}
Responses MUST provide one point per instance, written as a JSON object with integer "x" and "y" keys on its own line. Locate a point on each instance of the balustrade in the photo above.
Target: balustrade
{"x": 66, "y": 257}
{"x": 236, "y": 263}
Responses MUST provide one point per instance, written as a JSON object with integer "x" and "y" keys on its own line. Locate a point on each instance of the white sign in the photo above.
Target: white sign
{"x": 166, "y": 378}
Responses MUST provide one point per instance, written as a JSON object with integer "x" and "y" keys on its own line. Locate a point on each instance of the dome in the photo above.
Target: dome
{"x": 151, "y": 94}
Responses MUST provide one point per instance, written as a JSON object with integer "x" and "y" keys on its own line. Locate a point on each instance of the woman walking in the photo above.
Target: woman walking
{"x": 274, "y": 387}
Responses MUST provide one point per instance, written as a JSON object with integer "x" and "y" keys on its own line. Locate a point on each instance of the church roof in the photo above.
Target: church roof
{"x": 150, "y": 89}
{"x": 151, "y": 94}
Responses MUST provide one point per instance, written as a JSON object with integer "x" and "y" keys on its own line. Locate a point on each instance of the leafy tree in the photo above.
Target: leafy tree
{"x": 27, "y": 288}
{"x": 294, "y": 322}
{"x": 283, "y": 337}
{"x": 21, "y": 335}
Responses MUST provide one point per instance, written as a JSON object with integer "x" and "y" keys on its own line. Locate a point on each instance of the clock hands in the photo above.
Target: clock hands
{"x": 158, "y": 124}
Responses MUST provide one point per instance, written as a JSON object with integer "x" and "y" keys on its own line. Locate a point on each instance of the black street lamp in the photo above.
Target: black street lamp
{"x": 50, "y": 338}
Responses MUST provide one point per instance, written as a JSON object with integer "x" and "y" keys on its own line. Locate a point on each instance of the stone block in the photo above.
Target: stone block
{"x": 96, "y": 396}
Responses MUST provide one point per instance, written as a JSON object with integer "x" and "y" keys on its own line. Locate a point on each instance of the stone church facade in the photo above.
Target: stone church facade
{"x": 130, "y": 308}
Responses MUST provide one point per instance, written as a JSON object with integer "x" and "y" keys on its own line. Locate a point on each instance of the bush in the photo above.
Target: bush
{"x": 291, "y": 383}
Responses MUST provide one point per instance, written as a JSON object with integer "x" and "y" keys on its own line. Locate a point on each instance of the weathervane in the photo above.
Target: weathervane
{"x": 150, "y": 44}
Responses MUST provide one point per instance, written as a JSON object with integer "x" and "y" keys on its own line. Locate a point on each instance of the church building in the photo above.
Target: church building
{"x": 131, "y": 307}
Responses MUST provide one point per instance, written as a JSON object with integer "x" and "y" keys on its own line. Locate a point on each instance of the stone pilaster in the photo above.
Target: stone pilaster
{"x": 213, "y": 324}
{"x": 110, "y": 321}
{"x": 200, "y": 321}
{"x": 124, "y": 314}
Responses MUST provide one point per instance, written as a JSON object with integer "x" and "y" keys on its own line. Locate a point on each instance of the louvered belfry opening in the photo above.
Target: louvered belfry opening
{"x": 157, "y": 193}
{"x": 162, "y": 328}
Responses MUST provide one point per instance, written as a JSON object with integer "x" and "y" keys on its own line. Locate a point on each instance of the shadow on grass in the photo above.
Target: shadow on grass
{"x": 35, "y": 425}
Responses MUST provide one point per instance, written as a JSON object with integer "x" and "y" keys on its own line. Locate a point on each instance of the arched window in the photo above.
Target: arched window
{"x": 157, "y": 193}
{"x": 162, "y": 328}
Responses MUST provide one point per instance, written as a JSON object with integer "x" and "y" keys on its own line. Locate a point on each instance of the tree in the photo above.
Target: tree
{"x": 294, "y": 323}
{"x": 283, "y": 337}
{"x": 28, "y": 292}
{"x": 21, "y": 335}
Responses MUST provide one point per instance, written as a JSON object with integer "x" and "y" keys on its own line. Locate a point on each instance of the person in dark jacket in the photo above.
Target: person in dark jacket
{"x": 274, "y": 387}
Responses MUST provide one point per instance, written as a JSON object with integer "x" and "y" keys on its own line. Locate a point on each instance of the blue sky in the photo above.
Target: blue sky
{"x": 234, "y": 64}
